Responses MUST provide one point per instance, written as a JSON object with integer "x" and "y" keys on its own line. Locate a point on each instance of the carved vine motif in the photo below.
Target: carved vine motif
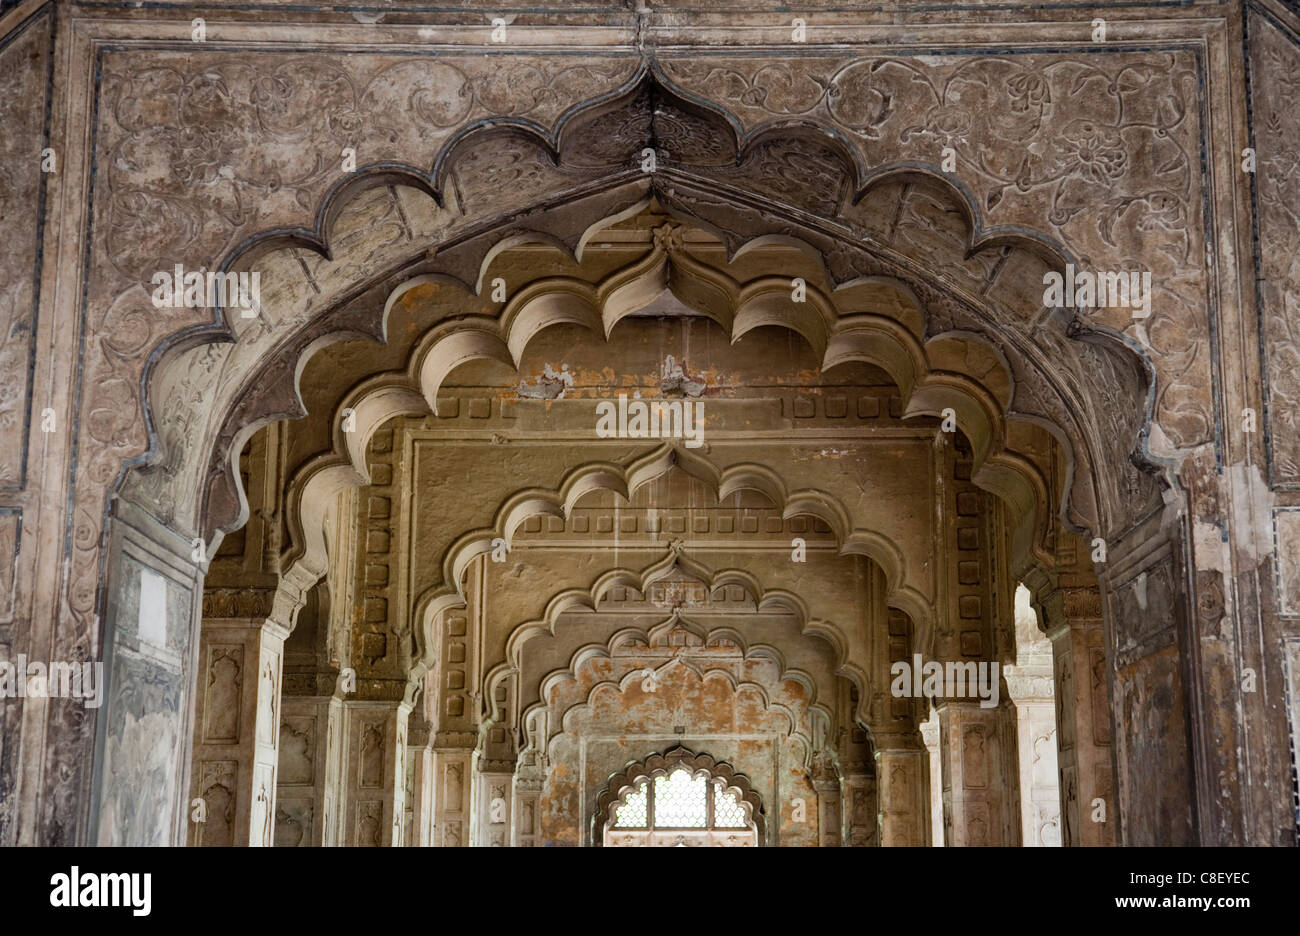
{"x": 1017, "y": 121}
{"x": 1275, "y": 83}
{"x": 23, "y": 71}
{"x": 203, "y": 151}
{"x": 237, "y": 602}
{"x": 1102, "y": 148}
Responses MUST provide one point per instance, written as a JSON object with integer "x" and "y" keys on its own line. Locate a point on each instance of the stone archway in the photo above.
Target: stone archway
{"x": 393, "y": 399}
{"x": 557, "y": 502}
{"x": 289, "y": 589}
{"x": 446, "y": 640}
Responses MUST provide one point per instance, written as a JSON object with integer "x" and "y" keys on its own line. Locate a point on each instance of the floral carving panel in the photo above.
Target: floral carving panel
{"x": 24, "y": 74}
{"x": 197, "y": 153}
{"x": 202, "y": 152}
{"x": 1274, "y": 85}
{"x": 1100, "y": 150}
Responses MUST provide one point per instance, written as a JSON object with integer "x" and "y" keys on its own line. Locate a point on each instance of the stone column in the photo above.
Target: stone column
{"x": 419, "y": 759}
{"x": 308, "y": 773}
{"x": 374, "y": 788}
{"x": 1166, "y": 753}
{"x": 826, "y": 782}
{"x": 145, "y": 692}
{"x": 930, "y": 738}
{"x": 237, "y": 719}
{"x": 453, "y": 762}
{"x": 1036, "y": 737}
{"x": 528, "y": 791}
{"x": 1083, "y": 718}
{"x": 859, "y": 809}
{"x": 495, "y": 780}
{"x": 902, "y": 789}
{"x": 974, "y": 751}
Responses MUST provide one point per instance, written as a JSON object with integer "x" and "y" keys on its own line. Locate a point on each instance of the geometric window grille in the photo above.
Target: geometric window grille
{"x": 679, "y": 801}
{"x": 632, "y": 814}
{"x": 727, "y": 811}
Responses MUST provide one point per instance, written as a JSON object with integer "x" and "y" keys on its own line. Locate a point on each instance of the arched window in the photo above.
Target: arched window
{"x": 679, "y": 799}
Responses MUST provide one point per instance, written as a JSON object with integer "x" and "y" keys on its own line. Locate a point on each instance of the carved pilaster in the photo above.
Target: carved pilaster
{"x": 307, "y": 779}
{"x": 902, "y": 783}
{"x": 453, "y": 763}
{"x": 420, "y": 781}
{"x": 1160, "y": 719}
{"x": 495, "y": 780}
{"x": 826, "y": 782}
{"x": 1033, "y": 718}
{"x": 977, "y": 789}
{"x": 528, "y": 791}
{"x": 373, "y": 807}
{"x": 237, "y": 719}
{"x": 930, "y": 738}
{"x": 1073, "y": 617}
{"x": 859, "y": 809}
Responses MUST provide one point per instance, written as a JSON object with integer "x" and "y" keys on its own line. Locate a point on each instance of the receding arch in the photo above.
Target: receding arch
{"x": 470, "y": 545}
{"x": 769, "y": 600}
{"x": 874, "y": 339}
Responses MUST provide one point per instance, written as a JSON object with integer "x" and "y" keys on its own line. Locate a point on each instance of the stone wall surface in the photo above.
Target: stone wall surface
{"x": 956, "y": 154}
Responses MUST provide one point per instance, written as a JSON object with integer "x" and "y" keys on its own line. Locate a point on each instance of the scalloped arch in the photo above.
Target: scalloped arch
{"x": 647, "y": 76}
{"x": 894, "y": 347}
{"x": 546, "y": 628}
{"x": 858, "y": 337}
{"x": 868, "y": 338}
{"x": 587, "y": 600}
{"x": 738, "y": 686}
{"x": 623, "y": 481}
{"x": 874, "y": 339}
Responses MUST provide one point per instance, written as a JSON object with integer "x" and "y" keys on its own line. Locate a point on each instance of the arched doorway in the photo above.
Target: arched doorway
{"x": 603, "y": 559}
{"x": 869, "y": 331}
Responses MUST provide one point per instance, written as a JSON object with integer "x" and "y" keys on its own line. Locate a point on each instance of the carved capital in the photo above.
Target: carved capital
{"x": 1025, "y": 686}
{"x": 229, "y": 603}
{"x": 908, "y": 740}
{"x": 455, "y": 740}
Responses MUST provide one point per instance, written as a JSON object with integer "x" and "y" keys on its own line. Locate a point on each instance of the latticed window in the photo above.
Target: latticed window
{"x": 727, "y": 811}
{"x": 632, "y": 814}
{"x": 679, "y": 800}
